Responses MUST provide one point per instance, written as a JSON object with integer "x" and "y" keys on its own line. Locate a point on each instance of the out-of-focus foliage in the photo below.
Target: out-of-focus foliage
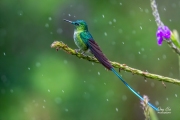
{"x": 38, "y": 83}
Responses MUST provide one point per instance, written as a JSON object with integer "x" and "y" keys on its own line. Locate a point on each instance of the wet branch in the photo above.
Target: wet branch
{"x": 60, "y": 45}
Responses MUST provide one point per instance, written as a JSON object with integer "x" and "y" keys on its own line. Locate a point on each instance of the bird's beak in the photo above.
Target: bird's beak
{"x": 68, "y": 21}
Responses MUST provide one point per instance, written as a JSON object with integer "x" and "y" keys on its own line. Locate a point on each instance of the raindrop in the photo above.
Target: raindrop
{"x": 66, "y": 110}
{"x": 48, "y": 90}
{"x": 58, "y": 100}
{"x": 141, "y": 27}
{"x": 98, "y": 73}
{"x": 59, "y": 30}
{"x": 103, "y": 16}
{"x": 11, "y": 90}
{"x": 69, "y": 14}
{"x": 63, "y": 91}
{"x": 38, "y": 64}
{"x": 142, "y": 49}
{"x": 164, "y": 9}
{"x": 152, "y": 84}
{"x": 109, "y": 93}
{"x": 164, "y": 56}
{"x": 50, "y": 18}
{"x": 104, "y": 83}
{"x": 107, "y": 99}
{"x": 51, "y": 33}
{"x": 133, "y": 32}
{"x": 43, "y": 106}
{"x": 25, "y": 109}
{"x": 120, "y": 31}
{"x": 158, "y": 59}
{"x": 91, "y": 87}
{"x": 146, "y": 11}
{"x": 175, "y": 95}
{"x": 92, "y": 63}
{"x": 44, "y": 100}
{"x": 65, "y": 62}
{"x": 171, "y": 74}
{"x": 167, "y": 99}
{"x": 114, "y": 20}
{"x": 105, "y": 33}
{"x": 84, "y": 81}
{"x": 139, "y": 52}
{"x": 4, "y": 53}
{"x": 47, "y": 25}
{"x": 145, "y": 80}
{"x": 113, "y": 43}
{"x": 150, "y": 20}
{"x": 117, "y": 109}
{"x": 157, "y": 103}
{"x": 110, "y": 22}
{"x": 20, "y": 13}
{"x": 29, "y": 68}
{"x": 170, "y": 20}
{"x": 141, "y": 9}
{"x": 124, "y": 98}
{"x": 120, "y": 3}
{"x": 122, "y": 42}
{"x": 173, "y": 5}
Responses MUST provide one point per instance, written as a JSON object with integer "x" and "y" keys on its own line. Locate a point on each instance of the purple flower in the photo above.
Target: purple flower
{"x": 163, "y": 32}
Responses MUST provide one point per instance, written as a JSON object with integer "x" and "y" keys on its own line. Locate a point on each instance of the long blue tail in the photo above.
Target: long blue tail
{"x": 95, "y": 49}
{"x": 117, "y": 74}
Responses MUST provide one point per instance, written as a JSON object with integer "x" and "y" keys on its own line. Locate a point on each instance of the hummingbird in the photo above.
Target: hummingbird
{"x": 85, "y": 42}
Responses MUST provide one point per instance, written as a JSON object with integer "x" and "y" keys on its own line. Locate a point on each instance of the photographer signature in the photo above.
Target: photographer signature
{"x": 167, "y": 110}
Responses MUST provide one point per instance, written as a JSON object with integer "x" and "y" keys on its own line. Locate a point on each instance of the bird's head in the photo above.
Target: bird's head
{"x": 79, "y": 24}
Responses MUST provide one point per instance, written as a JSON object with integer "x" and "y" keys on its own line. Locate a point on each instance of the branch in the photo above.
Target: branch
{"x": 60, "y": 45}
{"x": 175, "y": 49}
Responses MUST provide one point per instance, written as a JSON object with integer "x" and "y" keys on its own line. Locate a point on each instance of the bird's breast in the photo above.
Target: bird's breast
{"x": 79, "y": 41}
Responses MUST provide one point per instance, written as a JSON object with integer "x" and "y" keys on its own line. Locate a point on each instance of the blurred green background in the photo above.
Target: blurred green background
{"x": 38, "y": 83}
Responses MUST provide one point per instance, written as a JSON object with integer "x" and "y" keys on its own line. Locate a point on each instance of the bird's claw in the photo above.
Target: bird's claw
{"x": 84, "y": 54}
{"x": 78, "y": 51}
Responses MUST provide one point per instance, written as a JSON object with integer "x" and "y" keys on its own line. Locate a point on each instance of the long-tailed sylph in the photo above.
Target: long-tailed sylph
{"x": 84, "y": 41}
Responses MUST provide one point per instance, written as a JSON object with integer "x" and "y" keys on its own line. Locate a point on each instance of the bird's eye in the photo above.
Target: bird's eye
{"x": 77, "y": 24}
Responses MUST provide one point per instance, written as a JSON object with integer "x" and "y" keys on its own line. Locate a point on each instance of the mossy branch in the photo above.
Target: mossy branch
{"x": 60, "y": 45}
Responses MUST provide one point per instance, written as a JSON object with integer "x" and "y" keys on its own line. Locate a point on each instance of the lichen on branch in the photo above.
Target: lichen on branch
{"x": 60, "y": 45}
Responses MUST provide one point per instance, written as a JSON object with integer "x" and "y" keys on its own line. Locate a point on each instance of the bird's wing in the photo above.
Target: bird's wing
{"x": 95, "y": 49}
{"x": 85, "y": 36}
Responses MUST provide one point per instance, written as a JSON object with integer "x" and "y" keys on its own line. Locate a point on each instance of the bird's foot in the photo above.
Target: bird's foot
{"x": 83, "y": 53}
{"x": 77, "y": 50}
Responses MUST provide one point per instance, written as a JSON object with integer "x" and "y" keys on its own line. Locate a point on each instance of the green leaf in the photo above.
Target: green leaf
{"x": 175, "y": 38}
